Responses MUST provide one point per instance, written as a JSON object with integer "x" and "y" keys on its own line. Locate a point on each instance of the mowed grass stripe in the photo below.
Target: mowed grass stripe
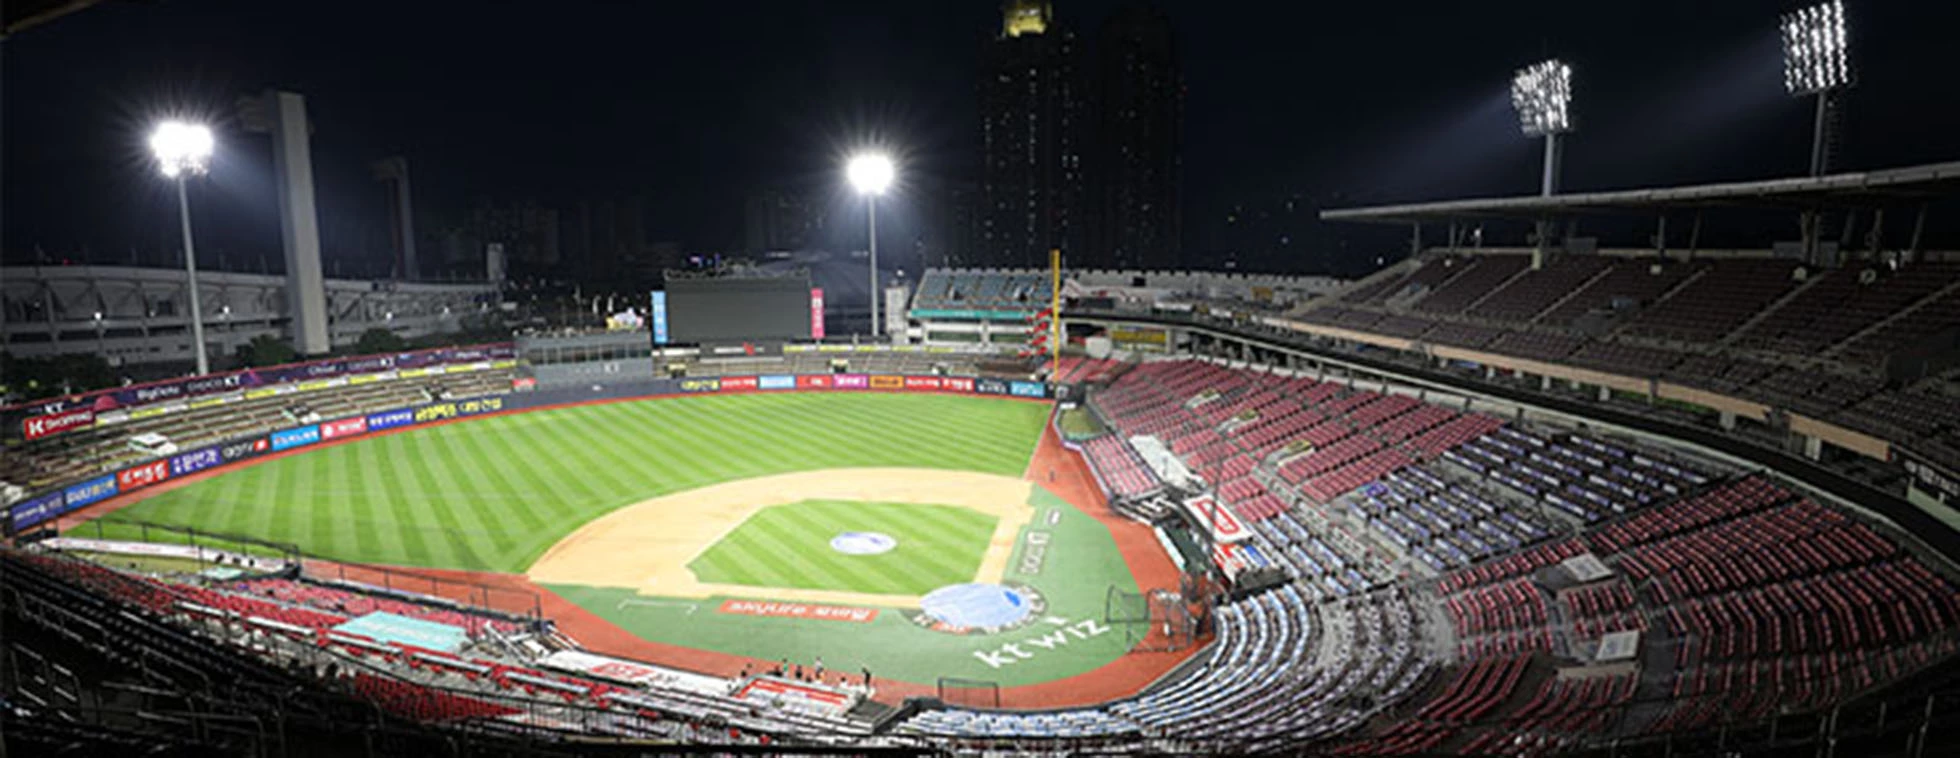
{"x": 809, "y": 529}
{"x": 789, "y": 546}
{"x": 501, "y": 490}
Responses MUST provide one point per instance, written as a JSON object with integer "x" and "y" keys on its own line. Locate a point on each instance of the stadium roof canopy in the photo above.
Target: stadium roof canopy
{"x": 1837, "y": 191}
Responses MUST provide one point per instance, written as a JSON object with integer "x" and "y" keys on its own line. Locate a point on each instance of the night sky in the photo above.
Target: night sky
{"x": 694, "y": 104}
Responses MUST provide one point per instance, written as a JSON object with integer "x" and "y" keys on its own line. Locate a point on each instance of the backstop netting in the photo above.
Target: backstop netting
{"x": 969, "y": 693}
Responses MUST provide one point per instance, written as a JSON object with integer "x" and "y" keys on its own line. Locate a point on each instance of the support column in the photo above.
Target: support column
{"x": 299, "y": 223}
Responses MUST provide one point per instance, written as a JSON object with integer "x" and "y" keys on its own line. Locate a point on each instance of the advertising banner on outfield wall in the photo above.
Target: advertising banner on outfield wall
{"x": 989, "y": 386}
{"x": 850, "y": 381}
{"x": 138, "y": 477}
{"x": 92, "y": 491}
{"x": 813, "y": 382}
{"x": 737, "y": 383}
{"x": 700, "y": 385}
{"x": 27, "y": 514}
{"x": 888, "y": 382}
{"x": 195, "y": 461}
{"x": 1027, "y": 389}
{"x": 292, "y": 438}
{"x": 242, "y": 449}
{"x": 922, "y": 382}
{"x": 956, "y": 383}
{"x": 346, "y": 427}
{"x": 390, "y": 419}
{"x": 775, "y": 382}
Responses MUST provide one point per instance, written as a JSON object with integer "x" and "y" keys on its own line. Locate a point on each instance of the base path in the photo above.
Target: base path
{"x": 646, "y": 547}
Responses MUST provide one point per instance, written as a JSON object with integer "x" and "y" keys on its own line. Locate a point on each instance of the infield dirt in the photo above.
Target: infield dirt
{"x": 646, "y": 546}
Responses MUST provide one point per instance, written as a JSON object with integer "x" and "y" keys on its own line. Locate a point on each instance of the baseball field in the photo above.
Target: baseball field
{"x": 904, "y": 533}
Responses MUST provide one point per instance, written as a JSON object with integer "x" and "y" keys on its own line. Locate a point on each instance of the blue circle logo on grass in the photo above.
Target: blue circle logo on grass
{"x": 979, "y": 608}
{"x": 863, "y": 543}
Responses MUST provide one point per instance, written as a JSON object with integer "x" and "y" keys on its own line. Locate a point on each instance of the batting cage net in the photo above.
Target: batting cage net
{"x": 1154, "y": 621}
{"x": 969, "y": 693}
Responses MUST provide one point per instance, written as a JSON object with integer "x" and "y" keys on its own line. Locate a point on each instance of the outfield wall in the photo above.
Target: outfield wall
{"x": 73, "y": 496}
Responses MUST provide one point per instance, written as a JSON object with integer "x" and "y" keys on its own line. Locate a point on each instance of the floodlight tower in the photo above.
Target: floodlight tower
{"x": 182, "y": 151}
{"x": 1817, "y": 63}
{"x": 872, "y": 174}
{"x": 1542, "y": 95}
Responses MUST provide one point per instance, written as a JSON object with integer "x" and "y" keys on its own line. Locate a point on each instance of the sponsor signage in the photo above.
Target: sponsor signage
{"x": 195, "y": 461}
{"x": 956, "y": 383}
{"x": 813, "y": 381}
{"x": 346, "y": 427}
{"x": 1929, "y": 476}
{"x": 850, "y": 381}
{"x": 390, "y": 419}
{"x": 524, "y": 383}
{"x": 922, "y": 382}
{"x": 1216, "y": 519}
{"x": 799, "y": 610}
{"x": 471, "y": 407}
{"x": 292, "y": 438}
{"x": 658, "y": 310}
{"x": 775, "y": 382}
{"x": 242, "y": 449}
{"x": 31, "y": 512}
{"x": 816, "y": 313}
{"x": 733, "y": 383}
{"x": 28, "y": 513}
{"x": 887, "y": 382}
{"x": 700, "y": 385}
{"x": 474, "y": 406}
{"x": 91, "y": 491}
{"x": 989, "y": 386}
{"x": 137, "y": 477}
{"x": 1027, "y": 389}
{"x": 36, "y": 427}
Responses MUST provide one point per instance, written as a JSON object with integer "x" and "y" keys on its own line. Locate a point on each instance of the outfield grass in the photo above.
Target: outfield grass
{"x": 789, "y": 546}
{"x": 493, "y": 494}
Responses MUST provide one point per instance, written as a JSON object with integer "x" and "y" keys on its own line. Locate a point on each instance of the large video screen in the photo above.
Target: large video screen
{"x": 738, "y": 309}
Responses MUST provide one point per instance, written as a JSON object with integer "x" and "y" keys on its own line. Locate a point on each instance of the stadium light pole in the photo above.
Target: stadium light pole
{"x": 1817, "y": 63}
{"x": 1542, "y": 95}
{"x": 182, "y": 151}
{"x": 872, "y": 174}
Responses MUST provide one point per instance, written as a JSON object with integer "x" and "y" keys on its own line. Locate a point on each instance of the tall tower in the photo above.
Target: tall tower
{"x": 1137, "y": 164}
{"x": 1031, "y": 118}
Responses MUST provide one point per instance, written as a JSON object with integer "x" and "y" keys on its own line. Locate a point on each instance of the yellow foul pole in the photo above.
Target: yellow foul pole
{"x": 1055, "y": 311}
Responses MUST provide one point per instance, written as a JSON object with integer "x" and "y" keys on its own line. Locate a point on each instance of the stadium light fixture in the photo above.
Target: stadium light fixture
{"x": 872, "y": 174}
{"x": 1817, "y": 63}
{"x": 1816, "y": 53}
{"x": 184, "y": 150}
{"x": 1542, "y": 95}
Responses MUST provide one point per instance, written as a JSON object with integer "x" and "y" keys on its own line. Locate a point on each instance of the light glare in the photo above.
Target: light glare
{"x": 182, "y": 148}
{"x": 1542, "y": 95}
{"x": 870, "y": 173}
{"x": 1816, "y": 54}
